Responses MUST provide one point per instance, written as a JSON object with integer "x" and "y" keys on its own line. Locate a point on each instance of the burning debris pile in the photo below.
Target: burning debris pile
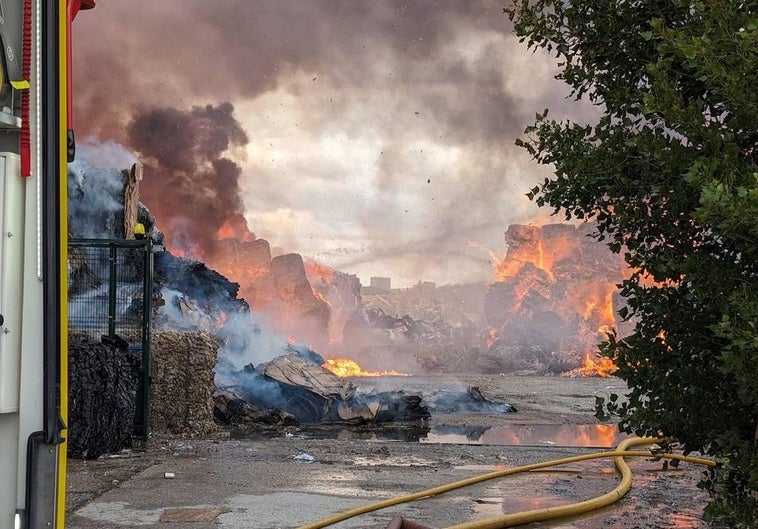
{"x": 280, "y": 287}
{"x": 298, "y": 384}
{"x": 552, "y": 302}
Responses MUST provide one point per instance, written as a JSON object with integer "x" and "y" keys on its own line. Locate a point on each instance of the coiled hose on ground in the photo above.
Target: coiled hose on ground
{"x": 549, "y": 513}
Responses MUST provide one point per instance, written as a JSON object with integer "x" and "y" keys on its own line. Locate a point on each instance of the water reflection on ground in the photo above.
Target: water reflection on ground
{"x": 641, "y": 506}
{"x": 586, "y": 435}
{"x": 581, "y": 435}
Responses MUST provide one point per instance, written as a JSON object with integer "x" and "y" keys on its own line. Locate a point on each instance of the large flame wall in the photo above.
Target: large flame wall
{"x": 552, "y": 300}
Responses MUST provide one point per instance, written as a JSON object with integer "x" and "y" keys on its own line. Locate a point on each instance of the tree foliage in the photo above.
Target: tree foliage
{"x": 668, "y": 174}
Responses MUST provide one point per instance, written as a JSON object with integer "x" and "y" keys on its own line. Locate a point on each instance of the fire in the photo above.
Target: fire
{"x": 222, "y": 319}
{"x": 555, "y": 270}
{"x": 192, "y": 251}
{"x": 344, "y": 367}
{"x": 492, "y": 336}
{"x": 594, "y": 367}
{"x": 320, "y": 296}
{"x": 314, "y": 269}
{"x": 235, "y": 227}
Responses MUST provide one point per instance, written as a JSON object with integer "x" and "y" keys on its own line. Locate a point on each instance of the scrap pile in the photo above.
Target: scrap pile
{"x": 296, "y": 384}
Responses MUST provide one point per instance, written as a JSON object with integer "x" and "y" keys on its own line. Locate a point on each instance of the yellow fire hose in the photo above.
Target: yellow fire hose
{"x": 511, "y": 520}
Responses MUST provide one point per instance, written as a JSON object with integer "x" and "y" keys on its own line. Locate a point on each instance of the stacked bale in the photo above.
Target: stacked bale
{"x": 103, "y": 378}
{"x": 182, "y": 382}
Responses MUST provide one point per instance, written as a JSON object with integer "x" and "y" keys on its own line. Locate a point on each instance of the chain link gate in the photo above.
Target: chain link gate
{"x": 110, "y": 293}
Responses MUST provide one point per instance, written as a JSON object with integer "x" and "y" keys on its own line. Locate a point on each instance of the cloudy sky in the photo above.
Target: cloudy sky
{"x": 375, "y": 136}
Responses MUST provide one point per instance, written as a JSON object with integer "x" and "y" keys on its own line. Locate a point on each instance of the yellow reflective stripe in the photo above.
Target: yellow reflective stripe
{"x": 63, "y": 243}
{"x": 20, "y": 85}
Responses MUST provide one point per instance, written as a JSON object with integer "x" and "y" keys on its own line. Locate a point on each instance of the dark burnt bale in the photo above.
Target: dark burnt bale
{"x": 194, "y": 278}
{"x": 401, "y": 406}
{"x": 103, "y": 379}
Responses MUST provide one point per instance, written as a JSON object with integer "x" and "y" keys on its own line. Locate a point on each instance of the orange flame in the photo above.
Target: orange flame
{"x": 194, "y": 251}
{"x": 320, "y": 296}
{"x": 344, "y": 367}
{"x": 222, "y": 318}
{"x": 235, "y": 227}
{"x": 594, "y": 367}
{"x": 492, "y": 336}
{"x": 314, "y": 269}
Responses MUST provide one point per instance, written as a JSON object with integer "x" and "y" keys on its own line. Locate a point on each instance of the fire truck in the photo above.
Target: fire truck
{"x": 36, "y": 141}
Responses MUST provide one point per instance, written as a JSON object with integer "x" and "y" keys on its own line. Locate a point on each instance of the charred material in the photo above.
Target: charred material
{"x": 230, "y": 409}
{"x": 470, "y": 401}
{"x": 103, "y": 381}
{"x": 312, "y": 393}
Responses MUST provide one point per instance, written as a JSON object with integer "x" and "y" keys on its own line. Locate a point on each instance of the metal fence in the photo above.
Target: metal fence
{"x": 110, "y": 292}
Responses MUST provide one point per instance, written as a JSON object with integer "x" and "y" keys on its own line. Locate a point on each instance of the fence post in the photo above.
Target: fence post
{"x": 112, "y": 291}
{"x": 142, "y": 420}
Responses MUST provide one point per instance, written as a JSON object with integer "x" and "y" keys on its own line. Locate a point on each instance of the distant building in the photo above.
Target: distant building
{"x": 425, "y": 287}
{"x": 381, "y": 283}
{"x": 378, "y": 285}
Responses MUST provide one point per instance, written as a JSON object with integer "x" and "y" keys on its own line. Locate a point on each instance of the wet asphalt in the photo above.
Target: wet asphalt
{"x": 260, "y": 483}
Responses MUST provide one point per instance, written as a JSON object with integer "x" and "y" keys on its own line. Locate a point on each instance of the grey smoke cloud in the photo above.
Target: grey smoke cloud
{"x": 379, "y": 133}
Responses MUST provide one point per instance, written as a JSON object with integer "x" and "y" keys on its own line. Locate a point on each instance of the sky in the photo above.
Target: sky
{"x": 374, "y": 136}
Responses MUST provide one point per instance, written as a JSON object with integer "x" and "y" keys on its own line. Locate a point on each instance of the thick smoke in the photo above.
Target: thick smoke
{"x": 95, "y": 190}
{"x": 380, "y": 132}
{"x": 192, "y": 183}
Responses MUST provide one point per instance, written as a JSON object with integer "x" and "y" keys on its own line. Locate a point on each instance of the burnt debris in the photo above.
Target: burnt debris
{"x": 469, "y": 401}
{"x": 297, "y": 385}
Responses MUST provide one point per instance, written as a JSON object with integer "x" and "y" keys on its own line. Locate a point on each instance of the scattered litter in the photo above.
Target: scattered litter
{"x": 547, "y": 442}
{"x": 305, "y": 457}
{"x": 169, "y": 475}
{"x": 289, "y": 435}
{"x": 125, "y": 453}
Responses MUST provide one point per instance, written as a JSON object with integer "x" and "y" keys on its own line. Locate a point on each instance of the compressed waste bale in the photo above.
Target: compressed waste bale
{"x": 103, "y": 378}
{"x": 182, "y": 382}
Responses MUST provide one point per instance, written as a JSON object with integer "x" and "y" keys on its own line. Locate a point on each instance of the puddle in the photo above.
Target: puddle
{"x": 549, "y": 490}
{"x": 584, "y": 435}
{"x": 580, "y": 435}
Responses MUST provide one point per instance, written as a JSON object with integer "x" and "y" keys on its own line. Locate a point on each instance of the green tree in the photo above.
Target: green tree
{"x": 668, "y": 174}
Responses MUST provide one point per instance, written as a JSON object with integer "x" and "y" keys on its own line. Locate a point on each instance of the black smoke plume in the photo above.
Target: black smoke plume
{"x": 192, "y": 183}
